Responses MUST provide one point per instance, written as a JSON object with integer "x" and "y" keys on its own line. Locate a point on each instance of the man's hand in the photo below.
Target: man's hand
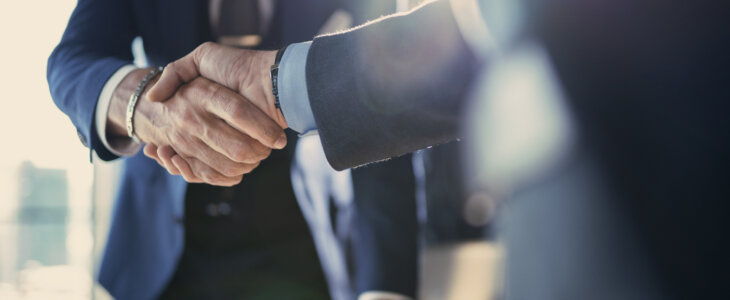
{"x": 244, "y": 71}
{"x": 217, "y": 134}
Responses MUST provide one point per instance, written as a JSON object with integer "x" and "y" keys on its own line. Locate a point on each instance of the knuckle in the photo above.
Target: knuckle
{"x": 236, "y": 110}
{"x": 183, "y": 146}
{"x": 207, "y": 134}
{"x": 231, "y": 181}
{"x": 251, "y": 167}
{"x": 196, "y": 89}
{"x": 172, "y": 67}
{"x": 271, "y": 134}
{"x": 177, "y": 69}
{"x": 241, "y": 155}
{"x": 201, "y": 50}
{"x": 205, "y": 46}
{"x": 187, "y": 117}
{"x": 169, "y": 170}
{"x": 226, "y": 183}
{"x": 187, "y": 177}
{"x": 214, "y": 91}
{"x": 186, "y": 91}
{"x": 265, "y": 152}
{"x": 232, "y": 171}
{"x": 175, "y": 138}
{"x": 261, "y": 153}
{"x": 228, "y": 172}
{"x": 207, "y": 176}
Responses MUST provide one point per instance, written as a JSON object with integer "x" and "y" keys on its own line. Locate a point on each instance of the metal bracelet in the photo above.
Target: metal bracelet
{"x": 133, "y": 101}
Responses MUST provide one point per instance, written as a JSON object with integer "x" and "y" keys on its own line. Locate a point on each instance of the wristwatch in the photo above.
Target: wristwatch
{"x": 274, "y": 73}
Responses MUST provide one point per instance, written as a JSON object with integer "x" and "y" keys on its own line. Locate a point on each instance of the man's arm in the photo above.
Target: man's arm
{"x": 95, "y": 44}
{"x": 216, "y": 129}
{"x": 389, "y": 87}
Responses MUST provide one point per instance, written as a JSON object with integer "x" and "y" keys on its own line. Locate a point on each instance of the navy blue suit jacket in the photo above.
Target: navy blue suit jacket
{"x": 147, "y": 234}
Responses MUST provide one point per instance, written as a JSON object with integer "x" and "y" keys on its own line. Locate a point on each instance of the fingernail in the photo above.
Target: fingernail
{"x": 281, "y": 142}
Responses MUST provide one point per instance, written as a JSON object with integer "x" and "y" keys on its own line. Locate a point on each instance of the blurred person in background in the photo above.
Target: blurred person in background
{"x": 170, "y": 239}
{"x": 617, "y": 190}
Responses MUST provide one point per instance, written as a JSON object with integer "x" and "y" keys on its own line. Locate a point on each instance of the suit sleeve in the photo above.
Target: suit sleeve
{"x": 389, "y": 87}
{"x": 96, "y": 43}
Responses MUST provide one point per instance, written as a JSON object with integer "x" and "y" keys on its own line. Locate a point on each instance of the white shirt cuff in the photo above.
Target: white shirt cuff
{"x": 293, "y": 95}
{"x": 119, "y": 146}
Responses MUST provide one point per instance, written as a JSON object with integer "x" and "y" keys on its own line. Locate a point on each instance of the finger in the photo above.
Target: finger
{"x": 165, "y": 154}
{"x": 243, "y": 115}
{"x": 199, "y": 150}
{"x": 210, "y": 60}
{"x": 224, "y": 65}
{"x": 175, "y": 74}
{"x": 233, "y": 144}
{"x": 185, "y": 170}
{"x": 150, "y": 150}
{"x": 204, "y": 172}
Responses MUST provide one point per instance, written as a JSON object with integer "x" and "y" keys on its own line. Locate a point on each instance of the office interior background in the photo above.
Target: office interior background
{"x": 46, "y": 228}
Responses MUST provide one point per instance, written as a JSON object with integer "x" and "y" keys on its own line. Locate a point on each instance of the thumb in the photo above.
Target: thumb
{"x": 175, "y": 74}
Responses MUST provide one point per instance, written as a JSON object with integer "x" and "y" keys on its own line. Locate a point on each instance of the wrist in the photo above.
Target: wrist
{"x": 268, "y": 59}
{"x": 261, "y": 63}
{"x": 251, "y": 72}
{"x": 117, "y": 114}
{"x": 147, "y": 114}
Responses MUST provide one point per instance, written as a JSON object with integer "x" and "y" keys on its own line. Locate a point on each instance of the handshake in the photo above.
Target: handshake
{"x": 210, "y": 117}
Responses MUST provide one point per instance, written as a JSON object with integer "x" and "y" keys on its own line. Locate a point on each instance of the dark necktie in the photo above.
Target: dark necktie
{"x": 236, "y": 22}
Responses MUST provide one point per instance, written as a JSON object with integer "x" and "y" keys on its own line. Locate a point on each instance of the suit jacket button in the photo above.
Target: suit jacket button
{"x": 224, "y": 209}
{"x": 211, "y": 209}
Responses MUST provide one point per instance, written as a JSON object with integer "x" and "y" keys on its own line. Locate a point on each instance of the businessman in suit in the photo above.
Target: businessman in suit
{"x": 171, "y": 239}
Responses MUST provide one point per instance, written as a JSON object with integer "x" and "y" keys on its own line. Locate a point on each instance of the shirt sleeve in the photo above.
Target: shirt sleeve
{"x": 293, "y": 95}
{"x": 118, "y": 146}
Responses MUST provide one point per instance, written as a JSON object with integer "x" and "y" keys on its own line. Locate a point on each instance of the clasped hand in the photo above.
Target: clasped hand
{"x": 210, "y": 116}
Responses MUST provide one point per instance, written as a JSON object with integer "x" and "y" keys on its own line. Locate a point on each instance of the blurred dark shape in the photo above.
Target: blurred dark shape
{"x": 647, "y": 81}
{"x": 385, "y": 247}
{"x": 446, "y": 198}
{"x": 639, "y": 210}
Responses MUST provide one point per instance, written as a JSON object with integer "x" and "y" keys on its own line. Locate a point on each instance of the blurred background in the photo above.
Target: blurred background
{"x": 45, "y": 176}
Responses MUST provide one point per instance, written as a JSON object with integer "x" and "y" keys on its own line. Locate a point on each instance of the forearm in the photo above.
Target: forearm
{"x": 390, "y": 87}
{"x": 94, "y": 46}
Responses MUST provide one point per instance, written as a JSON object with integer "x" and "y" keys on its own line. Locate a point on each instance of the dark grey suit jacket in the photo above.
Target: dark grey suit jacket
{"x": 389, "y": 87}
